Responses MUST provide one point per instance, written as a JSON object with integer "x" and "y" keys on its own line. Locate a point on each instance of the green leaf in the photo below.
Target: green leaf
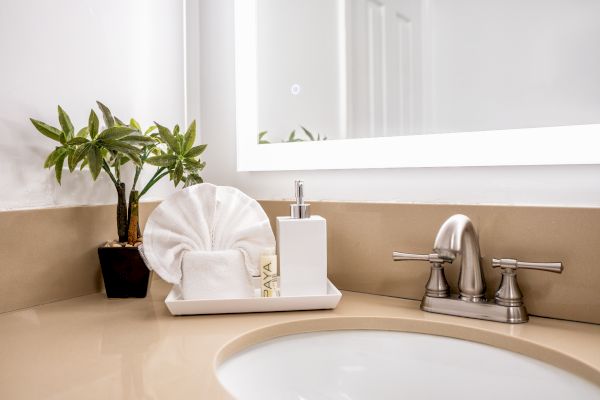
{"x": 292, "y": 136}
{"x": 81, "y": 152}
{"x": 150, "y": 129}
{"x": 52, "y": 157}
{"x": 123, "y": 155}
{"x": 109, "y": 121}
{"x": 178, "y": 173}
{"x": 193, "y": 164}
{"x": 135, "y": 158}
{"x": 190, "y": 137}
{"x": 65, "y": 122}
{"x": 307, "y": 133}
{"x": 196, "y": 151}
{"x": 63, "y": 138}
{"x": 76, "y": 141}
{"x": 94, "y": 158}
{"x": 162, "y": 161}
{"x": 134, "y": 124}
{"x": 193, "y": 179}
{"x": 176, "y": 130}
{"x": 115, "y": 133}
{"x": 138, "y": 139}
{"x": 46, "y": 130}
{"x": 58, "y": 167}
{"x": 71, "y": 160}
{"x": 83, "y": 164}
{"x": 93, "y": 124}
{"x": 120, "y": 146}
{"x": 119, "y": 122}
{"x": 261, "y": 135}
{"x": 115, "y": 160}
{"x": 83, "y": 132}
{"x": 168, "y": 138}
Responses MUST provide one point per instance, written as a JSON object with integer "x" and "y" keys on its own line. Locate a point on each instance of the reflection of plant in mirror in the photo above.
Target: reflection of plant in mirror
{"x": 118, "y": 143}
{"x": 292, "y": 137}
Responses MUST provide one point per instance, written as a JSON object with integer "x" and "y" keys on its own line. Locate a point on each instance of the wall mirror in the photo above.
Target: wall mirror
{"x": 327, "y": 84}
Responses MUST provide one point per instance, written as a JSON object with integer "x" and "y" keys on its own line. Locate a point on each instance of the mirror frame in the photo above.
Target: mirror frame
{"x": 561, "y": 145}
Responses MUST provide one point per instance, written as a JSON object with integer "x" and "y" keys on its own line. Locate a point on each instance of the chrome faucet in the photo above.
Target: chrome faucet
{"x": 457, "y": 236}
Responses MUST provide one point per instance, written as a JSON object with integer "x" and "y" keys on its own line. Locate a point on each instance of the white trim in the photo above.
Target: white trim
{"x": 535, "y": 146}
{"x": 530, "y": 146}
{"x": 246, "y": 85}
{"x": 184, "y": 32}
{"x": 192, "y": 65}
{"x": 342, "y": 69}
{"x": 427, "y": 112}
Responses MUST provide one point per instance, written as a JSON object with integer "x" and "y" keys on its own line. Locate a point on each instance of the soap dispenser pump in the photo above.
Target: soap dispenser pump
{"x": 302, "y": 242}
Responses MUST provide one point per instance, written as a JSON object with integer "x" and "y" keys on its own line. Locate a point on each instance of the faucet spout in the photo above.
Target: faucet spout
{"x": 457, "y": 236}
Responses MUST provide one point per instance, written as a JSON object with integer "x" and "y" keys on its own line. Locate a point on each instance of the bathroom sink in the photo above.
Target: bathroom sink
{"x": 371, "y": 364}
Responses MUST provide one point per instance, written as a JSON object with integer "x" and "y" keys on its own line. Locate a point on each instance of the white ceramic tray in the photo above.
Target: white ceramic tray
{"x": 178, "y": 306}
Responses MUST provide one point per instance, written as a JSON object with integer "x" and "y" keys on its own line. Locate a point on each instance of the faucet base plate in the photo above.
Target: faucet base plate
{"x": 452, "y": 305}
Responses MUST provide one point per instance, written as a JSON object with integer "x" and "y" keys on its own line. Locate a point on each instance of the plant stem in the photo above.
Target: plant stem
{"x": 121, "y": 212}
{"x": 132, "y": 234}
{"x": 122, "y": 218}
{"x": 132, "y": 195}
{"x": 106, "y": 168}
{"x": 117, "y": 170}
{"x": 157, "y": 177}
{"x": 138, "y": 170}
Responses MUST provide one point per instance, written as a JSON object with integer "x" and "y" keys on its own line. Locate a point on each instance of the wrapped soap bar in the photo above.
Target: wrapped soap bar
{"x": 269, "y": 273}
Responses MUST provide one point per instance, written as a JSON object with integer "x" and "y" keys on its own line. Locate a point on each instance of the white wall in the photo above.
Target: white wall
{"x": 546, "y": 185}
{"x": 125, "y": 53}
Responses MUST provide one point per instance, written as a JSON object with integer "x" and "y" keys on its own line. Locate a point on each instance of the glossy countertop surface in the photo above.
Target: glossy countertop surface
{"x": 92, "y": 347}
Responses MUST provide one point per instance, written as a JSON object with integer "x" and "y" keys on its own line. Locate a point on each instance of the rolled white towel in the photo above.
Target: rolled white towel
{"x": 207, "y": 219}
{"x": 215, "y": 275}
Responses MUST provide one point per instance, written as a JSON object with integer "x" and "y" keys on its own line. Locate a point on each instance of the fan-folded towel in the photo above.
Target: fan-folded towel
{"x": 201, "y": 219}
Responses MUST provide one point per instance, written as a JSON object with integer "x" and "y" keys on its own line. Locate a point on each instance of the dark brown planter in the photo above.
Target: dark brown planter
{"x": 124, "y": 272}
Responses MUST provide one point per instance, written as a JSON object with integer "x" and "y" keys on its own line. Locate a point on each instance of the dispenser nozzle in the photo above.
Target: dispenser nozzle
{"x": 300, "y": 209}
{"x": 299, "y": 185}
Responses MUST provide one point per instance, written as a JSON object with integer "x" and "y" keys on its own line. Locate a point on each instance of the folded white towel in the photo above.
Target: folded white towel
{"x": 204, "y": 218}
{"x": 215, "y": 275}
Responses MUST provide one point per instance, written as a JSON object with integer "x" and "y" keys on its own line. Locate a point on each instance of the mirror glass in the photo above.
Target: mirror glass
{"x": 345, "y": 69}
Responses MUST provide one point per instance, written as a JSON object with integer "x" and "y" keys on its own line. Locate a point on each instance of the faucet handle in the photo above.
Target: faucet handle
{"x": 437, "y": 286}
{"x": 513, "y": 264}
{"x": 508, "y": 293}
{"x": 433, "y": 258}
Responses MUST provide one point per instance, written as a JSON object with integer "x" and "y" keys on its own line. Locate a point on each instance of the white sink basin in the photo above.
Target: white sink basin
{"x": 374, "y": 365}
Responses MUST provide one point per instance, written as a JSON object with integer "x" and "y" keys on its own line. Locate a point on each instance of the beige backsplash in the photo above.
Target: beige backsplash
{"x": 50, "y": 254}
{"x": 362, "y": 237}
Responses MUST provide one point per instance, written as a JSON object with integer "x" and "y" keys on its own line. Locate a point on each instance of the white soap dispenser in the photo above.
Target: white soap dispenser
{"x": 302, "y": 243}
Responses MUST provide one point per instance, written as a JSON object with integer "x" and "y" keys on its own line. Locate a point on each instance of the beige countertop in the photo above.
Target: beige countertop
{"x": 91, "y": 347}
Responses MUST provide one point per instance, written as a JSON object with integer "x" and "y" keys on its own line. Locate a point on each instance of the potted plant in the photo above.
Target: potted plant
{"x": 109, "y": 149}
